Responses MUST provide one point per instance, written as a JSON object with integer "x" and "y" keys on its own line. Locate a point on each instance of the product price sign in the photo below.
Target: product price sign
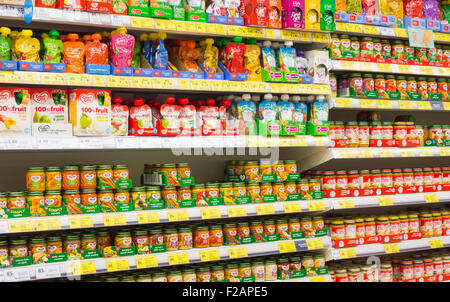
{"x": 401, "y": 32}
{"x": 425, "y": 152}
{"x": 178, "y": 258}
{"x": 237, "y": 252}
{"x": 304, "y": 36}
{"x": 201, "y": 85}
{"x": 236, "y": 211}
{"x": 352, "y": 27}
{"x": 210, "y": 213}
{"x": 317, "y": 279}
{"x": 347, "y": 253}
{"x": 346, "y": 204}
{"x": 146, "y": 261}
{"x": 177, "y": 215}
{"x": 407, "y": 153}
{"x": 183, "y": 84}
{"x": 314, "y": 244}
{"x": 384, "y": 104}
{"x": 286, "y": 247}
{"x": 200, "y": 27}
{"x": 30, "y": 78}
{"x": 162, "y": 83}
{"x": 46, "y": 224}
{"x": 270, "y": 33}
{"x": 369, "y": 29}
{"x": 53, "y": 79}
{"x": 78, "y": 80}
{"x": 386, "y": 152}
{"x": 256, "y": 32}
{"x": 316, "y": 205}
{"x": 221, "y": 29}
{"x": 423, "y": 105}
{"x": 444, "y": 151}
{"x": 390, "y": 248}
{"x": 5, "y": 76}
{"x": 289, "y": 35}
{"x": 25, "y": 225}
{"x": 431, "y": 197}
{"x": 385, "y": 201}
{"x": 446, "y": 105}
{"x": 78, "y": 222}
{"x": 425, "y": 70}
{"x": 234, "y": 30}
{"x": 340, "y": 26}
{"x": 405, "y": 105}
{"x": 258, "y": 86}
{"x": 147, "y": 217}
{"x": 209, "y": 255}
{"x": 183, "y": 26}
{"x": 404, "y": 68}
{"x": 435, "y": 243}
{"x": 265, "y": 209}
{"x": 98, "y": 80}
{"x": 384, "y": 67}
{"x": 343, "y": 103}
{"x": 219, "y": 85}
{"x": 165, "y": 24}
{"x": 346, "y": 153}
{"x": 292, "y": 207}
{"x": 349, "y": 65}
{"x": 83, "y": 268}
{"x": 320, "y": 38}
{"x": 114, "y": 265}
{"x": 365, "y": 153}
{"x": 17, "y": 77}
{"x": 367, "y": 103}
{"x": 114, "y": 219}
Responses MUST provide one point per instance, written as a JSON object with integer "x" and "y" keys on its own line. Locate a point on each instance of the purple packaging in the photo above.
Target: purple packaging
{"x": 293, "y": 13}
{"x": 430, "y": 9}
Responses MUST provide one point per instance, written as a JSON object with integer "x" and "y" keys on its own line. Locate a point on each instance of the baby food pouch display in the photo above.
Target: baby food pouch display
{"x": 255, "y": 12}
{"x": 45, "y": 3}
{"x": 73, "y": 54}
{"x": 52, "y": 48}
{"x": 312, "y": 14}
{"x": 72, "y": 4}
{"x": 286, "y": 59}
{"x": 215, "y": 7}
{"x": 318, "y": 117}
{"x": 227, "y": 123}
{"x": 160, "y": 56}
{"x": 119, "y": 117}
{"x": 14, "y": 36}
{"x": 15, "y": 111}
{"x": 232, "y": 8}
{"x": 393, "y": 7}
{"x": 96, "y": 51}
{"x": 141, "y": 119}
{"x": 319, "y": 65}
{"x": 104, "y": 6}
{"x": 119, "y": 7}
{"x": 195, "y": 10}
{"x": 246, "y": 113}
{"x": 267, "y": 117}
{"x": 235, "y": 55}
{"x": 413, "y": 8}
{"x": 268, "y": 55}
{"x": 160, "y": 9}
{"x": 369, "y": 7}
{"x": 274, "y": 13}
{"x": 286, "y": 116}
{"x": 90, "y": 112}
{"x": 209, "y": 56}
{"x": 251, "y": 60}
{"x": 300, "y": 114}
{"x": 210, "y": 115}
{"x": 178, "y": 11}
{"x": 301, "y": 63}
{"x": 187, "y": 117}
{"x": 138, "y": 8}
{"x": 184, "y": 55}
{"x": 27, "y": 47}
{"x": 5, "y": 44}
{"x": 122, "y": 45}
{"x": 327, "y": 13}
{"x": 170, "y": 123}
{"x": 137, "y": 53}
{"x": 293, "y": 13}
{"x": 49, "y": 105}
{"x": 354, "y": 7}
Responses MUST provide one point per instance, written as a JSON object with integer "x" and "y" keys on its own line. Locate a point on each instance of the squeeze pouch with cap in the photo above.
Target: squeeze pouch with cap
{"x": 122, "y": 45}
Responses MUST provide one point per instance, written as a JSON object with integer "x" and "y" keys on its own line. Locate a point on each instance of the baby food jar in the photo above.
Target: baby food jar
{"x": 140, "y": 240}
{"x": 88, "y": 197}
{"x": 252, "y": 173}
{"x": 53, "y": 198}
{"x": 258, "y": 271}
{"x": 183, "y": 170}
{"x": 337, "y": 229}
{"x": 353, "y": 180}
{"x": 88, "y": 176}
{"x": 402, "y": 87}
{"x": 53, "y": 178}
{"x": 380, "y": 86}
{"x": 171, "y": 239}
{"x": 420, "y": 53}
{"x": 391, "y": 84}
{"x": 103, "y": 240}
{"x": 345, "y": 44}
{"x": 352, "y": 133}
{"x": 169, "y": 171}
{"x": 88, "y": 242}
{"x": 370, "y": 227}
{"x": 366, "y": 47}
{"x": 169, "y": 195}
{"x": 152, "y": 194}
{"x": 426, "y": 224}
{"x": 411, "y": 85}
{"x": 355, "y": 47}
{"x": 123, "y": 240}
{"x": 71, "y": 244}
{"x": 422, "y": 87}
{"x": 38, "y": 249}
{"x": 105, "y": 197}
{"x": 269, "y": 227}
{"x": 409, "y": 52}
{"x": 368, "y": 82}
{"x": 35, "y": 199}
{"x": 120, "y": 172}
{"x": 71, "y": 197}
{"x": 212, "y": 190}
{"x": 386, "y": 50}
{"x": 16, "y": 200}
{"x": 443, "y": 88}
{"x": 184, "y": 239}
{"x": 283, "y": 269}
{"x": 382, "y": 225}
{"x": 363, "y": 134}
{"x": 159, "y": 277}
{"x": 123, "y": 196}
{"x": 189, "y": 275}
{"x": 356, "y": 85}
{"x": 70, "y": 178}
{"x": 217, "y": 273}
{"x": 341, "y": 180}
{"x": 270, "y": 270}
{"x": 156, "y": 237}
{"x": 432, "y": 86}
{"x": 215, "y": 236}
{"x": 36, "y": 179}
{"x": 398, "y": 50}
{"x": 329, "y": 180}
{"x": 105, "y": 176}
{"x": 231, "y": 271}
{"x": 54, "y": 245}
{"x": 377, "y": 48}
{"x": 245, "y": 270}
{"x": 201, "y": 237}
{"x": 18, "y": 248}
{"x": 255, "y": 192}
{"x": 174, "y": 276}
{"x": 334, "y": 46}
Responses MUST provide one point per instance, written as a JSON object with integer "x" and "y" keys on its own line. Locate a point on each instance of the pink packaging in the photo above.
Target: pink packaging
{"x": 293, "y": 13}
{"x": 122, "y": 45}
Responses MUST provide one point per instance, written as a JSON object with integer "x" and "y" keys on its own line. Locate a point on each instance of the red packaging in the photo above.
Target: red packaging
{"x": 369, "y": 7}
{"x": 274, "y": 12}
{"x": 255, "y": 12}
{"x": 50, "y": 4}
{"x": 72, "y": 4}
{"x": 119, "y": 117}
{"x": 235, "y": 51}
{"x": 413, "y": 8}
{"x": 99, "y": 6}
{"x": 96, "y": 51}
{"x": 141, "y": 119}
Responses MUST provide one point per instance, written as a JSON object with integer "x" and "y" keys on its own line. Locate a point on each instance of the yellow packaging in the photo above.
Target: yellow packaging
{"x": 209, "y": 57}
{"x": 27, "y": 47}
{"x": 312, "y": 15}
{"x": 251, "y": 59}
{"x": 393, "y": 7}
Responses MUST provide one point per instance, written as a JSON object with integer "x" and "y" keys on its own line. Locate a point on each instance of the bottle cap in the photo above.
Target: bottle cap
{"x": 117, "y": 100}
{"x": 170, "y": 100}
{"x": 138, "y": 102}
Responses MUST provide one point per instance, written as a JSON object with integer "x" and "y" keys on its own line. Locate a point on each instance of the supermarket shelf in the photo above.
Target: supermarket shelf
{"x": 155, "y": 84}
{"x": 397, "y": 200}
{"x": 84, "y": 20}
{"x": 355, "y": 66}
{"x": 97, "y": 220}
{"x": 384, "y": 104}
{"x": 388, "y": 248}
{"x": 157, "y": 142}
{"x": 383, "y": 32}
{"x": 323, "y": 278}
{"x": 99, "y": 265}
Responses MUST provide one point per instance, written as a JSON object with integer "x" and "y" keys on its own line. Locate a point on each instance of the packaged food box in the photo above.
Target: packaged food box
{"x": 90, "y": 112}
{"x": 49, "y": 105}
{"x": 319, "y": 65}
{"x": 15, "y": 111}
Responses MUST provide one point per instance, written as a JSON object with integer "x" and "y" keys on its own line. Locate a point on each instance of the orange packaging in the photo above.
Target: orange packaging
{"x": 251, "y": 171}
{"x": 73, "y": 54}
{"x": 96, "y": 51}
{"x": 169, "y": 195}
{"x": 183, "y": 170}
{"x": 280, "y": 190}
{"x": 70, "y": 178}
{"x": 290, "y": 188}
{"x": 88, "y": 177}
{"x": 265, "y": 167}
{"x": 266, "y": 189}
{"x": 290, "y": 166}
{"x": 215, "y": 236}
{"x": 280, "y": 171}
{"x": 274, "y": 10}
{"x": 88, "y": 197}
{"x": 255, "y": 193}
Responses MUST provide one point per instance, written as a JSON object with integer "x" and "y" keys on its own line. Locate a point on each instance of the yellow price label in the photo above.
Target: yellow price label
{"x": 320, "y": 38}
{"x": 346, "y": 153}
{"x": 78, "y": 222}
{"x": 146, "y": 261}
{"x": 340, "y": 26}
{"x": 119, "y": 264}
{"x": 25, "y": 225}
{"x": 165, "y": 24}
{"x": 446, "y": 105}
{"x": 210, "y": 213}
{"x": 30, "y": 78}
{"x": 219, "y": 85}
{"x": 162, "y": 83}
{"x": 384, "y": 104}
{"x": 184, "y": 84}
{"x": 53, "y": 79}
{"x": 270, "y": 33}
{"x": 369, "y": 29}
{"x": 289, "y": 35}
{"x": 401, "y": 32}
{"x": 444, "y": 151}
{"x": 316, "y": 205}
{"x": 236, "y": 211}
{"x": 404, "y": 68}
{"x": 98, "y": 80}
{"x": 209, "y": 255}
{"x": 349, "y": 65}
{"x": 178, "y": 258}
{"x": 287, "y": 247}
{"x": 237, "y": 252}
{"x": 385, "y": 201}
{"x": 201, "y": 27}
{"x": 183, "y": 26}
{"x": 346, "y": 204}
{"x": 5, "y": 76}
{"x": 265, "y": 209}
{"x": 367, "y": 103}
{"x": 343, "y": 103}
{"x": 407, "y": 153}
{"x": 386, "y": 152}
{"x": 177, "y": 215}
{"x": 391, "y": 248}
{"x": 353, "y": 27}
{"x": 384, "y": 67}
{"x": 276, "y": 87}
{"x": 147, "y": 217}
{"x": 431, "y": 197}
{"x": 140, "y": 82}
{"x": 425, "y": 70}
{"x": 114, "y": 219}
{"x": 46, "y": 224}
{"x": 435, "y": 243}
{"x": 17, "y": 77}
{"x": 257, "y": 86}
{"x": 425, "y": 152}
{"x": 292, "y": 207}
{"x": 202, "y": 85}
{"x": 314, "y": 244}
{"x": 347, "y": 253}
{"x": 405, "y": 105}
{"x": 317, "y": 279}
{"x": 221, "y": 29}
{"x": 141, "y": 22}
{"x": 112, "y": 81}
{"x": 304, "y": 36}
{"x": 423, "y": 105}
{"x": 365, "y": 153}
{"x": 83, "y": 268}
{"x": 78, "y": 80}
{"x": 234, "y": 30}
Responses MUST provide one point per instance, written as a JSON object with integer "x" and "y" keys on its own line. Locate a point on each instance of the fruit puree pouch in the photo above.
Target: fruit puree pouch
{"x": 185, "y": 53}
{"x": 72, "y": 4}
{"x": 141, "y": 117}
{"x": 210, "y": 115}
{"x": 235, "y": 55}
{"x": 215, "y": 7}
{"x": 119, "y": 6}
{"x": 246, "y": 109}
{"x": 27, "y": 47}
{"x": 73, "y": 54}
{"x": 52, "y": 48}
{"x": 145, "y": 46}
{"x": 354, "y": 7}
{"x": 318, "y": 112}
{"x": 413, "y": 8}
{"x": 45, "y": 3}
{"x": 267, "y": 109}
{"x": 285, "y": 110}
{"x": 300, "y": 110}
{"x": 274, "y": 13}
{"x": 49, "y": 105}
{"x": 170, "y": 114}
{"x": 122, "y": 45}
{"x": 138, "y": 3}
{"x": 119, "y": 117}
{"x": 14, "y": 36}
{"x": 152, "y": 42}
{"x": 251, "y": 60}
{"x": 431, "y": 9}
{"x": 96, "y": 51}
{"x": 286, "y": 57}
{"x": 5, "y": 44}
{"x": 209, "y": 56}
{"x": 301, "y": 63}
{"x": 187, "y": 114}
{"x": 160, "y": 57}
{"x": 137, "y": 53}
{"x": 268, "y": 57}
{"x": 369, "y": 7}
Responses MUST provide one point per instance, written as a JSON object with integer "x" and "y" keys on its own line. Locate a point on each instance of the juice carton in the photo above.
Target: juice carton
{"x": 251, "y": 60}
{"x": 312, "y": 14}
{"x": 141, "y": 119}
{"x": 246, "y": 112}
{"x": 195, "y": 10}
{"x": 188, "y": 114}
{"x": 73, "y": 54}
{"x": 122, "y": 45}
{"x": 49, "y": 105}
{"x": 274, "y": 13}
{"x": 170, "y": 113}
{"x": 210, "y": 115}
{"x": 293, "y": 12}
{"x": 267, "y": 117}
{"x": 319, "y": 65}
{"x": 255, "y": 12}
{"x": 90, "y": 112}
{"x": 119, "y": 117}
{"x": 300, "y": 114}
{"x": 318, "y": 117}
{"x": 286, "y": 116}
{"x": 160, "y": 9}
{"x": 15, "y": 111}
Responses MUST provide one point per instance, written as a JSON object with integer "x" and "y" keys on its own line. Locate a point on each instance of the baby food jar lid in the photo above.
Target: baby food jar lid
{"x": 88, "y": 191}
{"x": 269, "y": 222}
{"x": 354, "y": 39}
{"x": 344, "y": 37}
{"x": 104, "y": 190}
{"x": 152, "y": 188}
{"x": 72, "y": 237}
{"x": 18, "y": 242}
{"x": 32, "y": 193}
{"x": 226, "y": 184}
{"x": 36, "y": 169}
{"x": 159, "y": 274}
{"x": 390, "y": 76}
{"x": 86, "y": 236}
{"x": 138, "y": 189}
{"x": 184, "y": 230}
{"x": 387, "y": 123}
{"x": 203, "y": 269}
{"x": 71, "y": 192}
{"x": 422, "y": 79}
{"x": 16, "y": 193}
{"x": 366, "y": 39}
{"x": 121, "y": 167}
{"x": 202, "y": 228}
{"x": 182, "y": 165}
{"x": 123, "y": 234}
{"x": 292, "y": 220}
{"x": 70, "y": 168}
{"x": 431, "y": 79}
{"x": 168, "y": 165}
{"x": 411, "y": 78}
{"x": 54, "y": 238}
{"x": 53, "y": 169}
{"x": 38, "y": 240}
{"x": 56, "y": 192}
{"x": 230, "y": 225}
{"x": 87, "y": 168}
{"x": 104, "y": 167}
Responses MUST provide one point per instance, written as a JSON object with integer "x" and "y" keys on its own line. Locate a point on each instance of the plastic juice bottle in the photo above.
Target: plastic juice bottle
{"x": 300, "y": 110}
{"x": 235, "y": 55}
{"x": 209, "y": 56}
{"x": 27, "y": 47}
{"x": 96, "y": 51}
{"x": 287, "y": 57}
{"x": 251, "y": 60}
{"x": 285, "y": 110}
{"x": 170, "y": 114}
{"x": 137, "y": 53}
{"x": 122, "y": 45}
{"x": 119, "y": 117}
{"x": 141, "y": 116}
{"x": 210, "y": 115}
{"x": 5, "y": 44}
{"x": 188, "y": 114}
{"x": 52, "y": 48}
{"x": 73, "y": 54}
{"x": 267, "y": 109}
{"x": 161, "y": 56}
{"x": 268, "y": 57}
